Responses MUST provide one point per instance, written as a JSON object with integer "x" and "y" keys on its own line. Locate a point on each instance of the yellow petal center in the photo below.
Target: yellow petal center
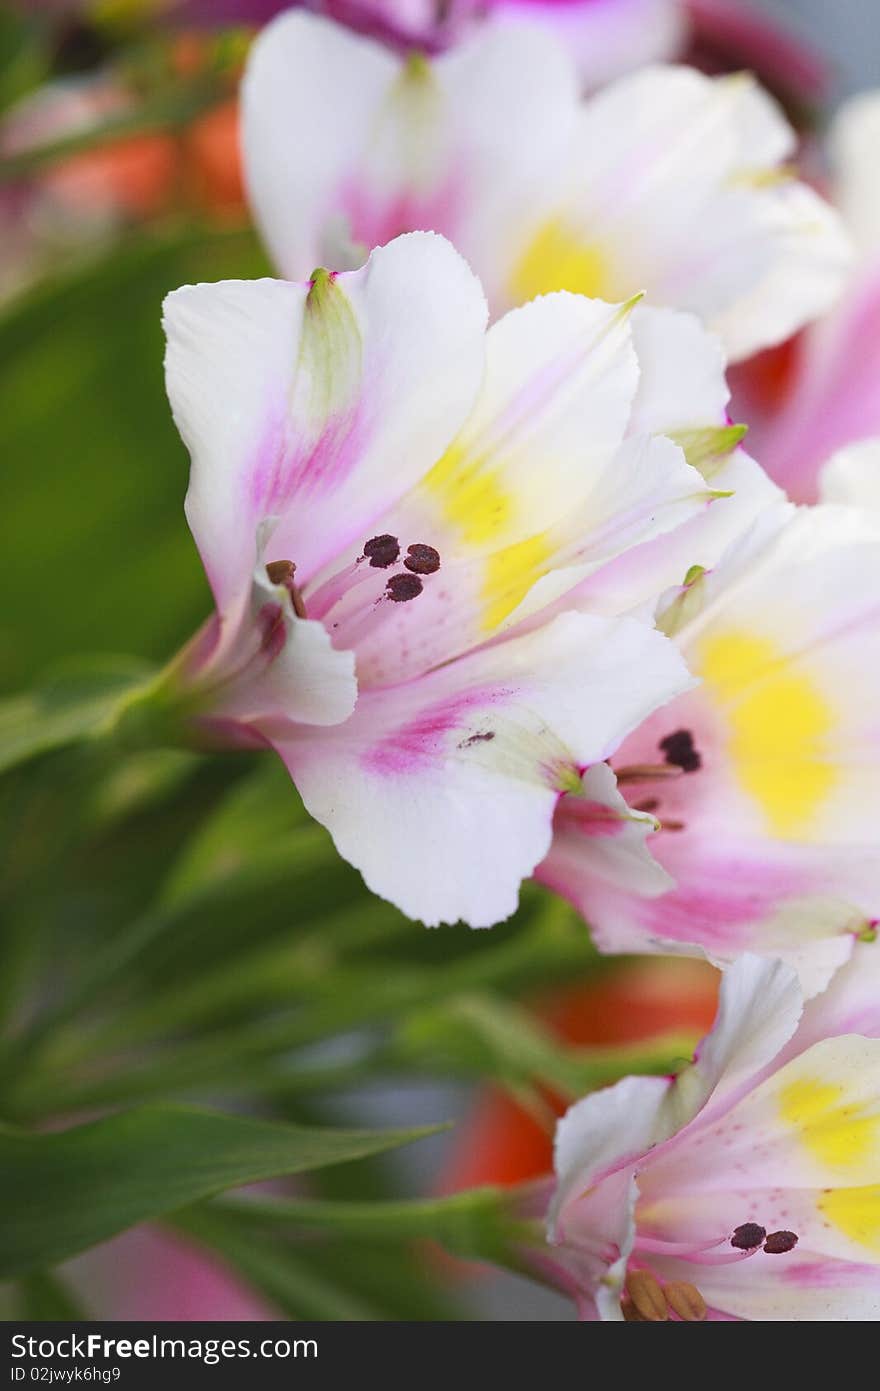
{"x": 485, "y": 513}
{"x": 778, "y": 721}
{"x": 855, "y": 1212}
{"x": 833, "y": 1128}
{"x": 558, "y": 259}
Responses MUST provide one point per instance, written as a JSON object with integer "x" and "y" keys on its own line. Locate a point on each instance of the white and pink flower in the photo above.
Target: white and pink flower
{"x": 750, "y": 824}
{"x": 667, "y": 182}
{"x": 746, "y": 1187}
{"x": 392, "y": 506}
{"x": 829, "y": 399}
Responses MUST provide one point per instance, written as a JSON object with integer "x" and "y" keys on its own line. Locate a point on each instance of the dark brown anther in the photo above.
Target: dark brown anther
{"x": 382, "y": 551}
{"x": 648, "y": 805}
{"x": 402, "y": 588}
{"x": 748, "y": 1237}
{"x": 778, "y": 1243}
{"x": 679, "y": 751}
{"x": 422, "y": 560}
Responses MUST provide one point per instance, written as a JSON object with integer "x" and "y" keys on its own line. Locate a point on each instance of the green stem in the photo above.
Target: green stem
{"x": 273, "y": 976}
{"x": 479, "y": 1224}
{"x": 116, "y": 961}
{"x": 351, "y": 999}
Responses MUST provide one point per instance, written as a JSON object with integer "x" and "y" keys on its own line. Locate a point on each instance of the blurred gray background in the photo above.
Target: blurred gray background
{"x": 846, "y": 31}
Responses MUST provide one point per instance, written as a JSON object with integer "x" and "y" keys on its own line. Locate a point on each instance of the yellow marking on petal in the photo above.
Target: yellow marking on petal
{"x": 483, "y": 511}
{"x": 855, "y": 1212}
{"x": 558, "y": 259}
{"x": 510, "y": 574}
{"x": 833, "y": 1129}
{"x": 778, "y": 720}
{"x": 764, "y": 178}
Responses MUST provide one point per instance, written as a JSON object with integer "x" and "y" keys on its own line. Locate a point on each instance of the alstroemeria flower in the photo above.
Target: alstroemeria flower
{"x": 763, "y": 780}
{"x": 605, "y": 37}
{"x": 830, "y": 394}
{"x": 667, "y": 182}
{"x": 382, "y": 493}
{"x": 744, "y": 1188}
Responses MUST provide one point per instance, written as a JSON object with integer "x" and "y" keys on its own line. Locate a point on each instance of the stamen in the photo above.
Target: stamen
{"x": 282, "y": 572}
{"x": 382, "y": 551}
{"x": 779, "y": 1242}
{"x": 422, "y": 560}
{"x": 401, "y": 588}
{"x": 649, "y": 804}
{"x": 646, "y": 1295}
{"x": 685, "y": 1300}
{"x": 680, "y": 752}
{"x": 646, "y": 772}
{"x": 748, "y": 1236}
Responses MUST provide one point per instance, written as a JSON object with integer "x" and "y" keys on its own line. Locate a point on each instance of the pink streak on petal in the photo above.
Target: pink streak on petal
{"x": 375, "y": 221}
{"x": 285, "y": 469}
{"x": 414, "y": 747}
{"x": 729, "y": 896}
{"x": 830, "y": 1274}
{"x": 835, "y": 400}
{"x": 594, "y": 818}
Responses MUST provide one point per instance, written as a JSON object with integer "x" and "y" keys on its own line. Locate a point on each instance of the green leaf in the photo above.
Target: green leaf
{"x": 319, "y": 1279}
{"x": 44, "y": 1297}
{"x": 25, "y": 61}
{"x": 72, "y": 1189}
{"x": 66, "y": 708}
{"x": 289, "y": 1281}
{"x": 479, "y": 1223}
{"x": 97, "y": 555}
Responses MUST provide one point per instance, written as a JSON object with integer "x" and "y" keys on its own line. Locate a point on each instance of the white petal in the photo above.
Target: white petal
{"x": 596, "y": 835}
{"x": 674, "y": 188}
{"x": 310, "y": 89}
{"x": 346, "y": 146}
{"x": 850, "y": 1005}
{"x": 603, "y": 1132}
{"x": 319, "y": 406}
{"x": 608, "y": 37}
{"x": 681, "y": 373}
{"x": 759, "y": 1006}
{"x": 442, "y": 791}
{"x": 852, "y": 476}
{"x": 853, "y": 142}
{"x": 539, "y": 487}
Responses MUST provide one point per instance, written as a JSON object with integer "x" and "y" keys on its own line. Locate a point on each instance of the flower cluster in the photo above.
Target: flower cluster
{"x": 513, "y": 600}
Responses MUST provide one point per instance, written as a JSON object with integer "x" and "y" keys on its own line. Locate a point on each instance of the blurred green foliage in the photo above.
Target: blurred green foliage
{"x": 97, "y": 556}
{"x": 173, "y": 927}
